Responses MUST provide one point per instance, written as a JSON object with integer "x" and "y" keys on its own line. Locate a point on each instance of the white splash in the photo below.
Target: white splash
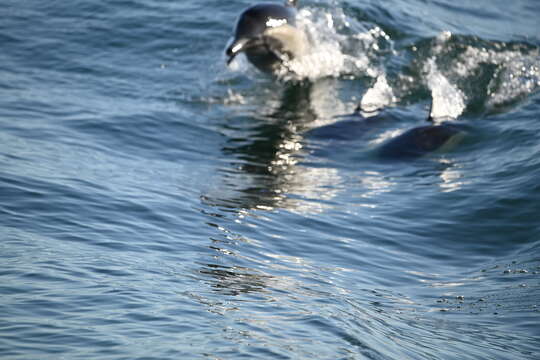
{"x": 516, "y": 68}
{"x": 327, "y": 104}
{"x": 517, "y": 74}
{"x": 329, "y": 52}
{"x": 380, "y": 95}
{"x": 448, "y": 102}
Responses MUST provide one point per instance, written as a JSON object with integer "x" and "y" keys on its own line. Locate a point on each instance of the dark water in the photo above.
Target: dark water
{"x": 156, "y": 205}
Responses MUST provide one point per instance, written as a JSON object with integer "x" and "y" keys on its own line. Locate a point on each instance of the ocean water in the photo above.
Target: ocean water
{"x": 157, "y": 204}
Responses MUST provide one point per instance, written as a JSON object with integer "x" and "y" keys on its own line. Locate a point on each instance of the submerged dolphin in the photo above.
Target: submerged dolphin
{"x": 440, "y": 135}
{"x": 268, "y": 35}
{"x": 422, "y": 140}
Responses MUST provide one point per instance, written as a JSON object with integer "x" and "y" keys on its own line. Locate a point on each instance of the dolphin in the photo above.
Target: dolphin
{"x": 268, "y": 35}
{"x": 422, "y": 140}
{"x": 440, "y": 135}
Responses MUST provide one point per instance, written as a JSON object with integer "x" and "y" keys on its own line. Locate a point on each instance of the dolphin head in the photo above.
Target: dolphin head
{"x": 267, "y": 34}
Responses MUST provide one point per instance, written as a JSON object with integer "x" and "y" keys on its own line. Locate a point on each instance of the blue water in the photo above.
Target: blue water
{"x": 155, "y": 204}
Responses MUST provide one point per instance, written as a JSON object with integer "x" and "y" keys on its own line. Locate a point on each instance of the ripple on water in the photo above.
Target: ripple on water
{"x": 156, "y": 205}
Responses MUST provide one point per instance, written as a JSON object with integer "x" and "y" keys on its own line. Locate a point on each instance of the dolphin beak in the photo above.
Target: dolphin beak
{"x": 235, "y": 48}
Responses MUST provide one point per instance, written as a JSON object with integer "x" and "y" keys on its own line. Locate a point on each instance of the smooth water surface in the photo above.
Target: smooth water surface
{"x": 155, "y": 204}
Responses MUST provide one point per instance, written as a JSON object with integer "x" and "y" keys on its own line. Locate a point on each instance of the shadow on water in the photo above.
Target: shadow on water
{"x": 233, "y": 280}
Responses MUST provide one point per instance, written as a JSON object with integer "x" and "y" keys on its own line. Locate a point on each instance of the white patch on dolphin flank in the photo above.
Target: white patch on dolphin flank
{"x": 386, "y": 136}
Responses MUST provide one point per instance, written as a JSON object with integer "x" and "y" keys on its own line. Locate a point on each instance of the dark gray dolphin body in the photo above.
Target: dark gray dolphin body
{"x": 435, "y": 137}
{"x": 441, "y": 134}
{"x": 267, "y": 34}
{"x": 422, "y": 140}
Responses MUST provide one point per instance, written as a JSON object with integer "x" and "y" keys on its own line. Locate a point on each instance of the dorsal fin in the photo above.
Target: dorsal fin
{"x": 291, "y": 2}
{"x": 430, "y": 118}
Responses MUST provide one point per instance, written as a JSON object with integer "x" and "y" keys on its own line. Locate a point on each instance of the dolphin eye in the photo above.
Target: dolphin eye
{"x": 275, "y": 22}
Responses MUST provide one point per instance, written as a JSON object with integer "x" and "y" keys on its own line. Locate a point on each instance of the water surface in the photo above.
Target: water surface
{"x": 155, "y": 204}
